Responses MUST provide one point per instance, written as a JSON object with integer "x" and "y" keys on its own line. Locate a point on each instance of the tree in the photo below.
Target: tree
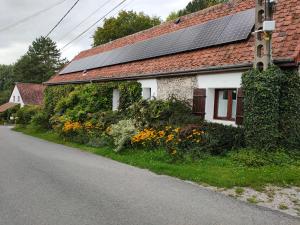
{"x": 194, "y": 6}
{"x": 42, "y": 60}
{"x": 126, "y": 23}
{"x": 172, "y": 16}
{"x": 6, "y": 82}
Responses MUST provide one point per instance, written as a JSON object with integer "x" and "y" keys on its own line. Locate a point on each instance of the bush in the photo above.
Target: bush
{"x": 25, "y": 114}
{"x": 5, "y": 117}
{"x": 103, "y": 120}
{"x": 192, "y": 140}
{"x": 99, "y": 140}
{"x": 261, "y": 108}
{"x": 255, "y": 158}
{"x": 53, "y": 95}
{"x": 122, "y": 133}
{"x": 130, "y": 92}
{"x": 289, "y": 110}
{"x": 40, "y": 121}
{"x": 85, "y": 99}
{"x": 220, "y": 139}
{"x": 161, "y": 113}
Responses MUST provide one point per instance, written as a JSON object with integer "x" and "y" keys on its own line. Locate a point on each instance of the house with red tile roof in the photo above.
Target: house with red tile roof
{"x": 25, "y": 94}
{"x": 199, "y": 57}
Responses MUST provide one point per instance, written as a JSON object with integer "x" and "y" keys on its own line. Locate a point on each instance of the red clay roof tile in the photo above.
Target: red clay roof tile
{"x": 286, "y": 45}
{"x": 7, "y": 106}
{"x": 31, "y": 94}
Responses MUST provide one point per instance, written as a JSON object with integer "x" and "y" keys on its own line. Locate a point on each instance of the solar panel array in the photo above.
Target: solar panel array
{"x": 224, "y": 30}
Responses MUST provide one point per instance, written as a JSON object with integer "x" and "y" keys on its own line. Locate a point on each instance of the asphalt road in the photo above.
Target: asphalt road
{"x": 43, "y": 183}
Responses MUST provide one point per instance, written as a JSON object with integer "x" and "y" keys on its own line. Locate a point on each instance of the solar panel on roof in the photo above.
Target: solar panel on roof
{"x": 223, "y": 30}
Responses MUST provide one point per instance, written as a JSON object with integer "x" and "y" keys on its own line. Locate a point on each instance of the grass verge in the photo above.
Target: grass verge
{"x": 217, "y": 171}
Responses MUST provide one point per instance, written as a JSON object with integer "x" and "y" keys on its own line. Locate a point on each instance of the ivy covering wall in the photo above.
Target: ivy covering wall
{"x": 272, "y": 109}
{"x": 77, "y": 101}
{"x": 289, "y": 110}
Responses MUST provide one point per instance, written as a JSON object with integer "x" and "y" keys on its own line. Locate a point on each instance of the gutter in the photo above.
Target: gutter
{"x": 284, "y": 62}
{"x": 207, "y": 70}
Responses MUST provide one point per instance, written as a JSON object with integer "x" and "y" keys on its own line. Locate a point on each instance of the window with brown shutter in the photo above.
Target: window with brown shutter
{"x": 225, "y": 104}
{"x": 199, "y": 102}
{"x": 240, "y": 107}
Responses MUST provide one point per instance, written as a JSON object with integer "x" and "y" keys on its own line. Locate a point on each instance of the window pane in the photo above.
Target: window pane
{"x": 234, "y": 103}
{"x": 223, "y": 103}
{"x": 234, "y": 95}
{"x": 147, "y": 93}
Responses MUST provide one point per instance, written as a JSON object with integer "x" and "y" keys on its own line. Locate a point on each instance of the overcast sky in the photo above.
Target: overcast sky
{"x": 14, "y": 42}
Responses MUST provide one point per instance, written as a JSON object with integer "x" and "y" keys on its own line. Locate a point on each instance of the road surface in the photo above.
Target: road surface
{"x": 42, "y": 183}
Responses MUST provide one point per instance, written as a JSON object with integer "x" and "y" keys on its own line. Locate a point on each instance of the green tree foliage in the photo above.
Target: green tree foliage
{"x": 42, "y": 60}
{"x": 126, "y": 23}
{"x": 194, "y": 6}
{"x": 172, "y": 16}
{"x": 6, "y": 82}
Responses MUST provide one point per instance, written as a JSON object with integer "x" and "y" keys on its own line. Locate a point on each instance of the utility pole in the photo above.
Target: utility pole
{"x": 264, "y": 27}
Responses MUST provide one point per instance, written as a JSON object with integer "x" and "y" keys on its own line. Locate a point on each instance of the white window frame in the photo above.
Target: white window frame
{"x": 116, "y": 100}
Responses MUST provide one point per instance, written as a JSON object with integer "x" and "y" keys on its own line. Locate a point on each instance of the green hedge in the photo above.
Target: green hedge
{"x": 261, "y": 104}
{"x": 158, "y": 113}
{"x": 272, "y": 109}
{"x": 53, "y": 95}
{"x": 78, "y": 101}
{"x": 289, "y": 110}
{"x": 25, "y": 114}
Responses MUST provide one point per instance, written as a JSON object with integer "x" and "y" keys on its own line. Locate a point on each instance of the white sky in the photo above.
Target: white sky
{"x": 15, "y": 41}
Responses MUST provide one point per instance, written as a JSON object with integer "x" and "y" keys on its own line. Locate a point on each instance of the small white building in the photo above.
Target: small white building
{"x": 25, "y": 94}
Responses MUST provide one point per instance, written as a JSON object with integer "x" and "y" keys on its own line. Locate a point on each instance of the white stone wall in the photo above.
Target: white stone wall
{"x": 149, "y": 83}
{"x": 179, "y": 87}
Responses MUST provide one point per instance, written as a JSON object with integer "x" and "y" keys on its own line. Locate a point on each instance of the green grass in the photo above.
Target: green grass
{"x": 215, "y": 171}
{"x": 252, "y": 200}
{"x": 239, "y": 191}
{"x": 282, "y": 206}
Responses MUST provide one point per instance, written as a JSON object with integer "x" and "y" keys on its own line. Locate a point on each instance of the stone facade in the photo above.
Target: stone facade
{"x": 179, "y": 87}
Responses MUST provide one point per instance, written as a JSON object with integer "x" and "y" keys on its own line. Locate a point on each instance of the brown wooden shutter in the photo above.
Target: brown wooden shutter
{"x": 199, "y": 102}
{"x": 240, "y": 107}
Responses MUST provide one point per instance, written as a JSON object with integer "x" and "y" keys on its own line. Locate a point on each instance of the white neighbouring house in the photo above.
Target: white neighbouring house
{"x": 25, "y": 94}
{"x": 200, "y": 58}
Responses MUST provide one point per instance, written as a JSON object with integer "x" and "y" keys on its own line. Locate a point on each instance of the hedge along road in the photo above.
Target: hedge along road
{"x": 42, "y": 183}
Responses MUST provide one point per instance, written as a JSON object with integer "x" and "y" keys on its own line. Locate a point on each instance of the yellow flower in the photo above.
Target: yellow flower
{"x": 170, "y": 138}
{"x": 161, "y": 133}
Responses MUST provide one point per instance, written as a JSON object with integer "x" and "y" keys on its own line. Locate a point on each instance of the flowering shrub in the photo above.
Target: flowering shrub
{"x": 148, "y": 138}
{"x": 70, "y": 126}
{"x": 176, "y": 141}
{"x": 122, "y": 133}
{"x": 159, "y": 113}
{"x": 184, "y": 141}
